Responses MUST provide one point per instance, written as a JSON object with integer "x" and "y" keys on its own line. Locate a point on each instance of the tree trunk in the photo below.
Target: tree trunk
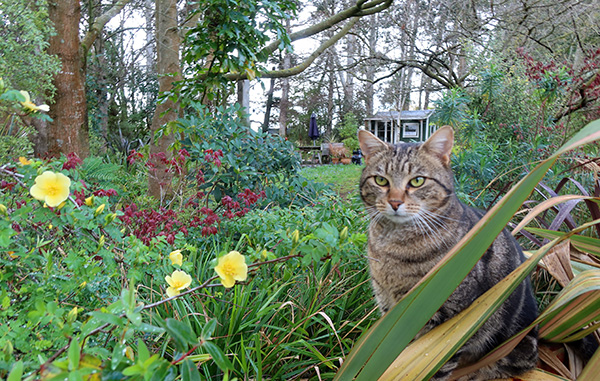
{"x": 284, "y": 102}
{"x": 370, "y": 74}
{"x": 267, "y": 120}
{"x": 330, "y": 94}
{"x": 348, "y": 103}
{"x": 243, "y": 92}
{"x": 167, "y": 62}
{"x": 68, "y": 132}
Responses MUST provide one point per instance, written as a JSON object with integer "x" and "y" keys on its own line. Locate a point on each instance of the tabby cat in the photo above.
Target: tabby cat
{"x": 416, "y": 219}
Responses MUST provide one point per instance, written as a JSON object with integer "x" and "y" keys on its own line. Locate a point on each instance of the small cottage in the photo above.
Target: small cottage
{"x": 401, "y": 126}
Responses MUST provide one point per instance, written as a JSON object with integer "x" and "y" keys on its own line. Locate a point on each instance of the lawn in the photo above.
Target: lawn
{"x": 343, "y": 178}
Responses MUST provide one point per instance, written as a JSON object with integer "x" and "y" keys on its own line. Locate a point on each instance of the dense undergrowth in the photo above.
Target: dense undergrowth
{"x": 84, "y": 277}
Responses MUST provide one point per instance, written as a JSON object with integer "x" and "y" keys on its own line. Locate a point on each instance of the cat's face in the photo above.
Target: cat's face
{"x": 409, "y": 182}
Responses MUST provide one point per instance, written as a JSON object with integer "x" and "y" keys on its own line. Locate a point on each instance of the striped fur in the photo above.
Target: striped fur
{"x": 414, "y": 225}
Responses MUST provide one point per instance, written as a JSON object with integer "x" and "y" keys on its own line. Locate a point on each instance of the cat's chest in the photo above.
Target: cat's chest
{"x": 395, "y": 262}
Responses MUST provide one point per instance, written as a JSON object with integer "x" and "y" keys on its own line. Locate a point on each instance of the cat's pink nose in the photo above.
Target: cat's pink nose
{"x": 395, "y": 204}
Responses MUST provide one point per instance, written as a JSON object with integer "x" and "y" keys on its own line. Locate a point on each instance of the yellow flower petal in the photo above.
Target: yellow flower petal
{"x": 228, "y": 282}
{"x": 231, "y": 267}
{"x": 26, "y": 95}
{"x": 172, "y": 292}
{"x": 176, "y": 257}
{"x": 178, "y": 280}
{"x": 52, "y": 188}
{"x": 30, "y": 106}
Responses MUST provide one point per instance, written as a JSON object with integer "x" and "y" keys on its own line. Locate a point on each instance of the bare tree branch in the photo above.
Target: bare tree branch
{"x": 98, "y": 24}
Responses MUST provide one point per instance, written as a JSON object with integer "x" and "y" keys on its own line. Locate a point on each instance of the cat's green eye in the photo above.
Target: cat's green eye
{"x": 381, "y": 181}
{"x": 417, "y": 182}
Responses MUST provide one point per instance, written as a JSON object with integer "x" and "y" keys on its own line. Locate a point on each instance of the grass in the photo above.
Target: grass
{"x": 343, "y": 178}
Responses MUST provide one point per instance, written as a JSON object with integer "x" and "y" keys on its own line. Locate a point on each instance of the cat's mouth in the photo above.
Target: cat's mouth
{"x": 399, "y": 216}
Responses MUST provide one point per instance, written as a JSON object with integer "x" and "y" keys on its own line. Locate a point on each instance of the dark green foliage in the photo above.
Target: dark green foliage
{"x": 230, "y": 37}
{"x": 24, "y": 32}
{"x": 347, "y": 132}
{"x": 250, "y": 160}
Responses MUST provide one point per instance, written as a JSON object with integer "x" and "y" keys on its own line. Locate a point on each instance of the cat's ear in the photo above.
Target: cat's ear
{"x": 440, "y": 144}
{"x": 370, "y": 144}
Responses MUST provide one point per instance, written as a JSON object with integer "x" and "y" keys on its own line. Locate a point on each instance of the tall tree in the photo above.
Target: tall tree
{"x": 169, "y": 71}
{"x": 68, "y": 132}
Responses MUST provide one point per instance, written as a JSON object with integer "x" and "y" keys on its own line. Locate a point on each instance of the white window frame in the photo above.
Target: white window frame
{"x": 410, "y": 134}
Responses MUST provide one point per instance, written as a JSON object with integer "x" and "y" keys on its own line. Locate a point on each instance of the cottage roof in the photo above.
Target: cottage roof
{"x": 404, "y": 115}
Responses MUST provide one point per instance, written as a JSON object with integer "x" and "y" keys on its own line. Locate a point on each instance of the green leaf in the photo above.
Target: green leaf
{"x": 577, "y": 305}
{"x": 148, "y": 328}
{"x": 16, "y": 372}
{"x": 592, "y": 369}
{"x": 218, "y": 356}
{"x": 189, "y": 372}
{"x": 582, "y": 243}
{"x": 208, "y": 329}
{"x": 107, "y": 318}
{"x": 181, "y": 333}
{"x": 143, "y": 353}
{"x": 74, "y": 354}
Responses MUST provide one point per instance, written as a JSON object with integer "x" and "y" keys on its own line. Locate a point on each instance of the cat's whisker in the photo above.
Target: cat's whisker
{"x": 434, "y": 219}
{"x": 424, "y": 225}
{"x": 439, "y": 216}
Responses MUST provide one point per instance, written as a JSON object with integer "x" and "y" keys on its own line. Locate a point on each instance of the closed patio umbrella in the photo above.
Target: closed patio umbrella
{"x": 313, "y": 130}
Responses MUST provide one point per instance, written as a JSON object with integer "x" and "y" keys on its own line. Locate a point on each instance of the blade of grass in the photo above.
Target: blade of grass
{"x": 378, "y": 348}
{"x": 586, "y": 244}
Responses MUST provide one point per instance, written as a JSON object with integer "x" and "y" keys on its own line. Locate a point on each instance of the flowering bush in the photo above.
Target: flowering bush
{"x": 78, "y": 266}
{"x": 88, "y": 268}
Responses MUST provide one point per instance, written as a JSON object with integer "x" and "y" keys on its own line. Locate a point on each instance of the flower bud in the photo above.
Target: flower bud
{"x": 99, "y": 210}
{"x": 295, "y": 237}
{"x": 129, "y": 353}
{"x": 344, "y": 234}
{"x": 101, "y": 241}
{"x": 72, "y": 315}
{"x": 3, "y": 210}
{"x": 110, "y": 218}
{"x": 89, "y": 201}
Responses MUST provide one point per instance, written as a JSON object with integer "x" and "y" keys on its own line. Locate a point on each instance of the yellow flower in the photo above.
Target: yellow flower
{"x": 89, "y": 201}
{"x": 30, "y": 106}
{"x": 24, "y": 161}
{"x": 176, "y": 257}
{"x": 177, "y": 282}
{"x": 232, "y": 267}
{"x": 51, "y": 187}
